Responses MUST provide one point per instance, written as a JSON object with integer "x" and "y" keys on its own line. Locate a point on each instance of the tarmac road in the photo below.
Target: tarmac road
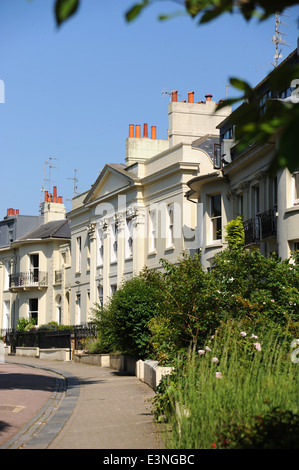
{"x": 64, "y": 405}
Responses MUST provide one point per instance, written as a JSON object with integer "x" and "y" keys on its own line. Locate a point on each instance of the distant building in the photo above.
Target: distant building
{"x": 34, "y": 253}
{"x": 136, "y": 212}
{"x": 241, "y": 184}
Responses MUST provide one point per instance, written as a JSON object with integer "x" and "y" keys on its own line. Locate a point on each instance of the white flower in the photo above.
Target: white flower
{"x": 254, "y": 337}
{"x": 201, "y": 352}
{"x": 257, "y": 346}
{"x": 218, "y": 375}
{"x": 207, "y": 349}
{"x": 231, "y": 279}
{"x": 243, "y": 333}
{"x": 215, "y": 359}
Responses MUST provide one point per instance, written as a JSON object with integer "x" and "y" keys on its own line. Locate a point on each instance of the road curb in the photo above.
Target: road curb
{"x": 40, "y": 431}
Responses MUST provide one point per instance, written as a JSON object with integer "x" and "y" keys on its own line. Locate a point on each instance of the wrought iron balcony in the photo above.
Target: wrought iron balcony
{"x": 261, "y": 227}
{"x": 252, "y": 231}
{"x": 28, "y": 279}
{"x": 268, "y": 224}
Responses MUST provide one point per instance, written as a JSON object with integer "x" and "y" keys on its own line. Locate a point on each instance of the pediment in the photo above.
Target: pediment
{"x": 111, "y": 180}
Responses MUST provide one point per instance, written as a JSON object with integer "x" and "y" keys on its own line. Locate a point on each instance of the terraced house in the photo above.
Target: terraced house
{"x": 33, "y": 265}
{"x": 136, "y": 212}
{"x": 242, "y": 185}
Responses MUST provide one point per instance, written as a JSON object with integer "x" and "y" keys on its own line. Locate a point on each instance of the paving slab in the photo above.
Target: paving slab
{"x": 88, "y": 407}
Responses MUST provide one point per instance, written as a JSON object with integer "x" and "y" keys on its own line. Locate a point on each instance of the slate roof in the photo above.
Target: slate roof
{"x": 54, "y": 229}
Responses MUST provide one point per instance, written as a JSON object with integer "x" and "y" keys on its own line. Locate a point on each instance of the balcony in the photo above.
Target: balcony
{"x": 261, "y": 227}
{"x": 28, "y": 280}
{"x": 268, "y": 224}
{"x": 252, "y": 231}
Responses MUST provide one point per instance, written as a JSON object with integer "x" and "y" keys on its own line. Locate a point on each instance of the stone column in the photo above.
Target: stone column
{"x": 120, "y": 230}
{"x": 106, "y": 259}
{"x": 93, "y": 266}
{"x": 138, "y": 239}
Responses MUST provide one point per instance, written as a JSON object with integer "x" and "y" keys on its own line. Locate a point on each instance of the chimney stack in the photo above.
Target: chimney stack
{"x": 153, "y": 133}
{"x": 174, "y": 96}
{"x": 145, "y": 132}
{"x": 131, "y": 130}
{"x": 208, "y": 97}
{"x": 54, "y": 193}
{"x": 137, "y": 131}
{"x": 191, "y": 97}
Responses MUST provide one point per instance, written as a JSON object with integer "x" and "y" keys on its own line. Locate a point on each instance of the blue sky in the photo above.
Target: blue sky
{"x": 70, "y": 94}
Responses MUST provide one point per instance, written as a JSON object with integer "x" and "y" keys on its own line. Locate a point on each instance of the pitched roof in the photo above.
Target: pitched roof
{"x": 54, "y": 229}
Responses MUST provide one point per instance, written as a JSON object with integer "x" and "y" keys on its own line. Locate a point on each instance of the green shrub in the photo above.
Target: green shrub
{"x": 23, "y": 324}
{"x": 123, "y": 324}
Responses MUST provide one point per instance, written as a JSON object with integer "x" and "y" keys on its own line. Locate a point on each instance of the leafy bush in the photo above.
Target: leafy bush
{"x": 123, "y": 324}
{"x": 275, "y": 429}
{"x": 23, "y": 324}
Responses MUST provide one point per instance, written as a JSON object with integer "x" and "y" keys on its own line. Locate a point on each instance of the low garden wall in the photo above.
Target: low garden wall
{"x": 146, "y": 371}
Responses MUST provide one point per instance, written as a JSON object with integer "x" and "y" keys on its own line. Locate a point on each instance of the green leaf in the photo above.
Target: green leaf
{"x": 64, "y": 9}
{"x": 240, "y": 85}
{"x": 136, "y": 10}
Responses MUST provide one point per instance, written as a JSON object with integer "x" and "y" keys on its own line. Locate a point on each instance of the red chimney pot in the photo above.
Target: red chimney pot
{"x": 191, "y": 97}
{"x": 153, "y": 132}
{"x": 174, "y": 94}
{"x": 137, "y": 131}
{"x": 131, "y": 130}
{"x": 145, "y": 132}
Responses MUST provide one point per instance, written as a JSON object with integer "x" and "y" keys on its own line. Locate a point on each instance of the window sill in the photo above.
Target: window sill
{"x": 152, "y": 253}
{"x": 214, "y": 244}
{"x": 170, "y": 248}
{"x": 294, "y": 208}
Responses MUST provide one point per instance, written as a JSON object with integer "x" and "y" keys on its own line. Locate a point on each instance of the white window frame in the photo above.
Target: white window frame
{"x": 78, "y": 254}
{"x": 214, "y": 219}
{"x": 100, "y": 247}
{"x": 113, "y": 289}
{"x": 170, "y": 226}
{"x": 100, "y": 295}
{"x": 113, "y": 243}
{"x": 129, "y": 238}
{"x": 295, "y": 187}
{"x": 152, "y": 231}
{"x": 78, "y": 308}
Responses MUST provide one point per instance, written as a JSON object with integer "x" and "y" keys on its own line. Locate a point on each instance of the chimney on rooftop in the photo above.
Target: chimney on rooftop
{"x": 153, "y": 132}
{"x": 174, "y": 95}
{"x": 145, "y": 132}
{"x": 191, "y": 97}
{"x": 137, "y": 131}
{"x": 131, "y": 130}
{"x": 208, "y": 97}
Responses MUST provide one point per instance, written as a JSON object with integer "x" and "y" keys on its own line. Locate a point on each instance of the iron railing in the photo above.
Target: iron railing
{"x": 268, "y": 224}
{"x": 252, "y": 231}
{"x": 31, "y": 278}
{"x": 46, "y": 338}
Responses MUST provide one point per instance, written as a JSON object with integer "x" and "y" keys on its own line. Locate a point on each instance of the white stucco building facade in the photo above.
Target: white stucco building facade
{"x": 136, "y": 212}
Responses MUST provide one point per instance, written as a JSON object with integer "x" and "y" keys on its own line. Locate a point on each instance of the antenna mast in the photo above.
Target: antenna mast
{"x": 43, "y": 185}
{"x": 75, "y": 179}
{"x": 51, "y": 166}
{"x": 277, "y": 39}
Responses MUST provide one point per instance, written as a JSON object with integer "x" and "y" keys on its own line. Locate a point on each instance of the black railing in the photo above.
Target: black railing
{"x": 31, "y": 278}
{"x": 49, "y": 338}
{"x": 268, "y": 224}
{"x": 252, "y": 231}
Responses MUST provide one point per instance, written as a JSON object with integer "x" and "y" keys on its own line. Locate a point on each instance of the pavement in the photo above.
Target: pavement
{"x": 65, "y": 405}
